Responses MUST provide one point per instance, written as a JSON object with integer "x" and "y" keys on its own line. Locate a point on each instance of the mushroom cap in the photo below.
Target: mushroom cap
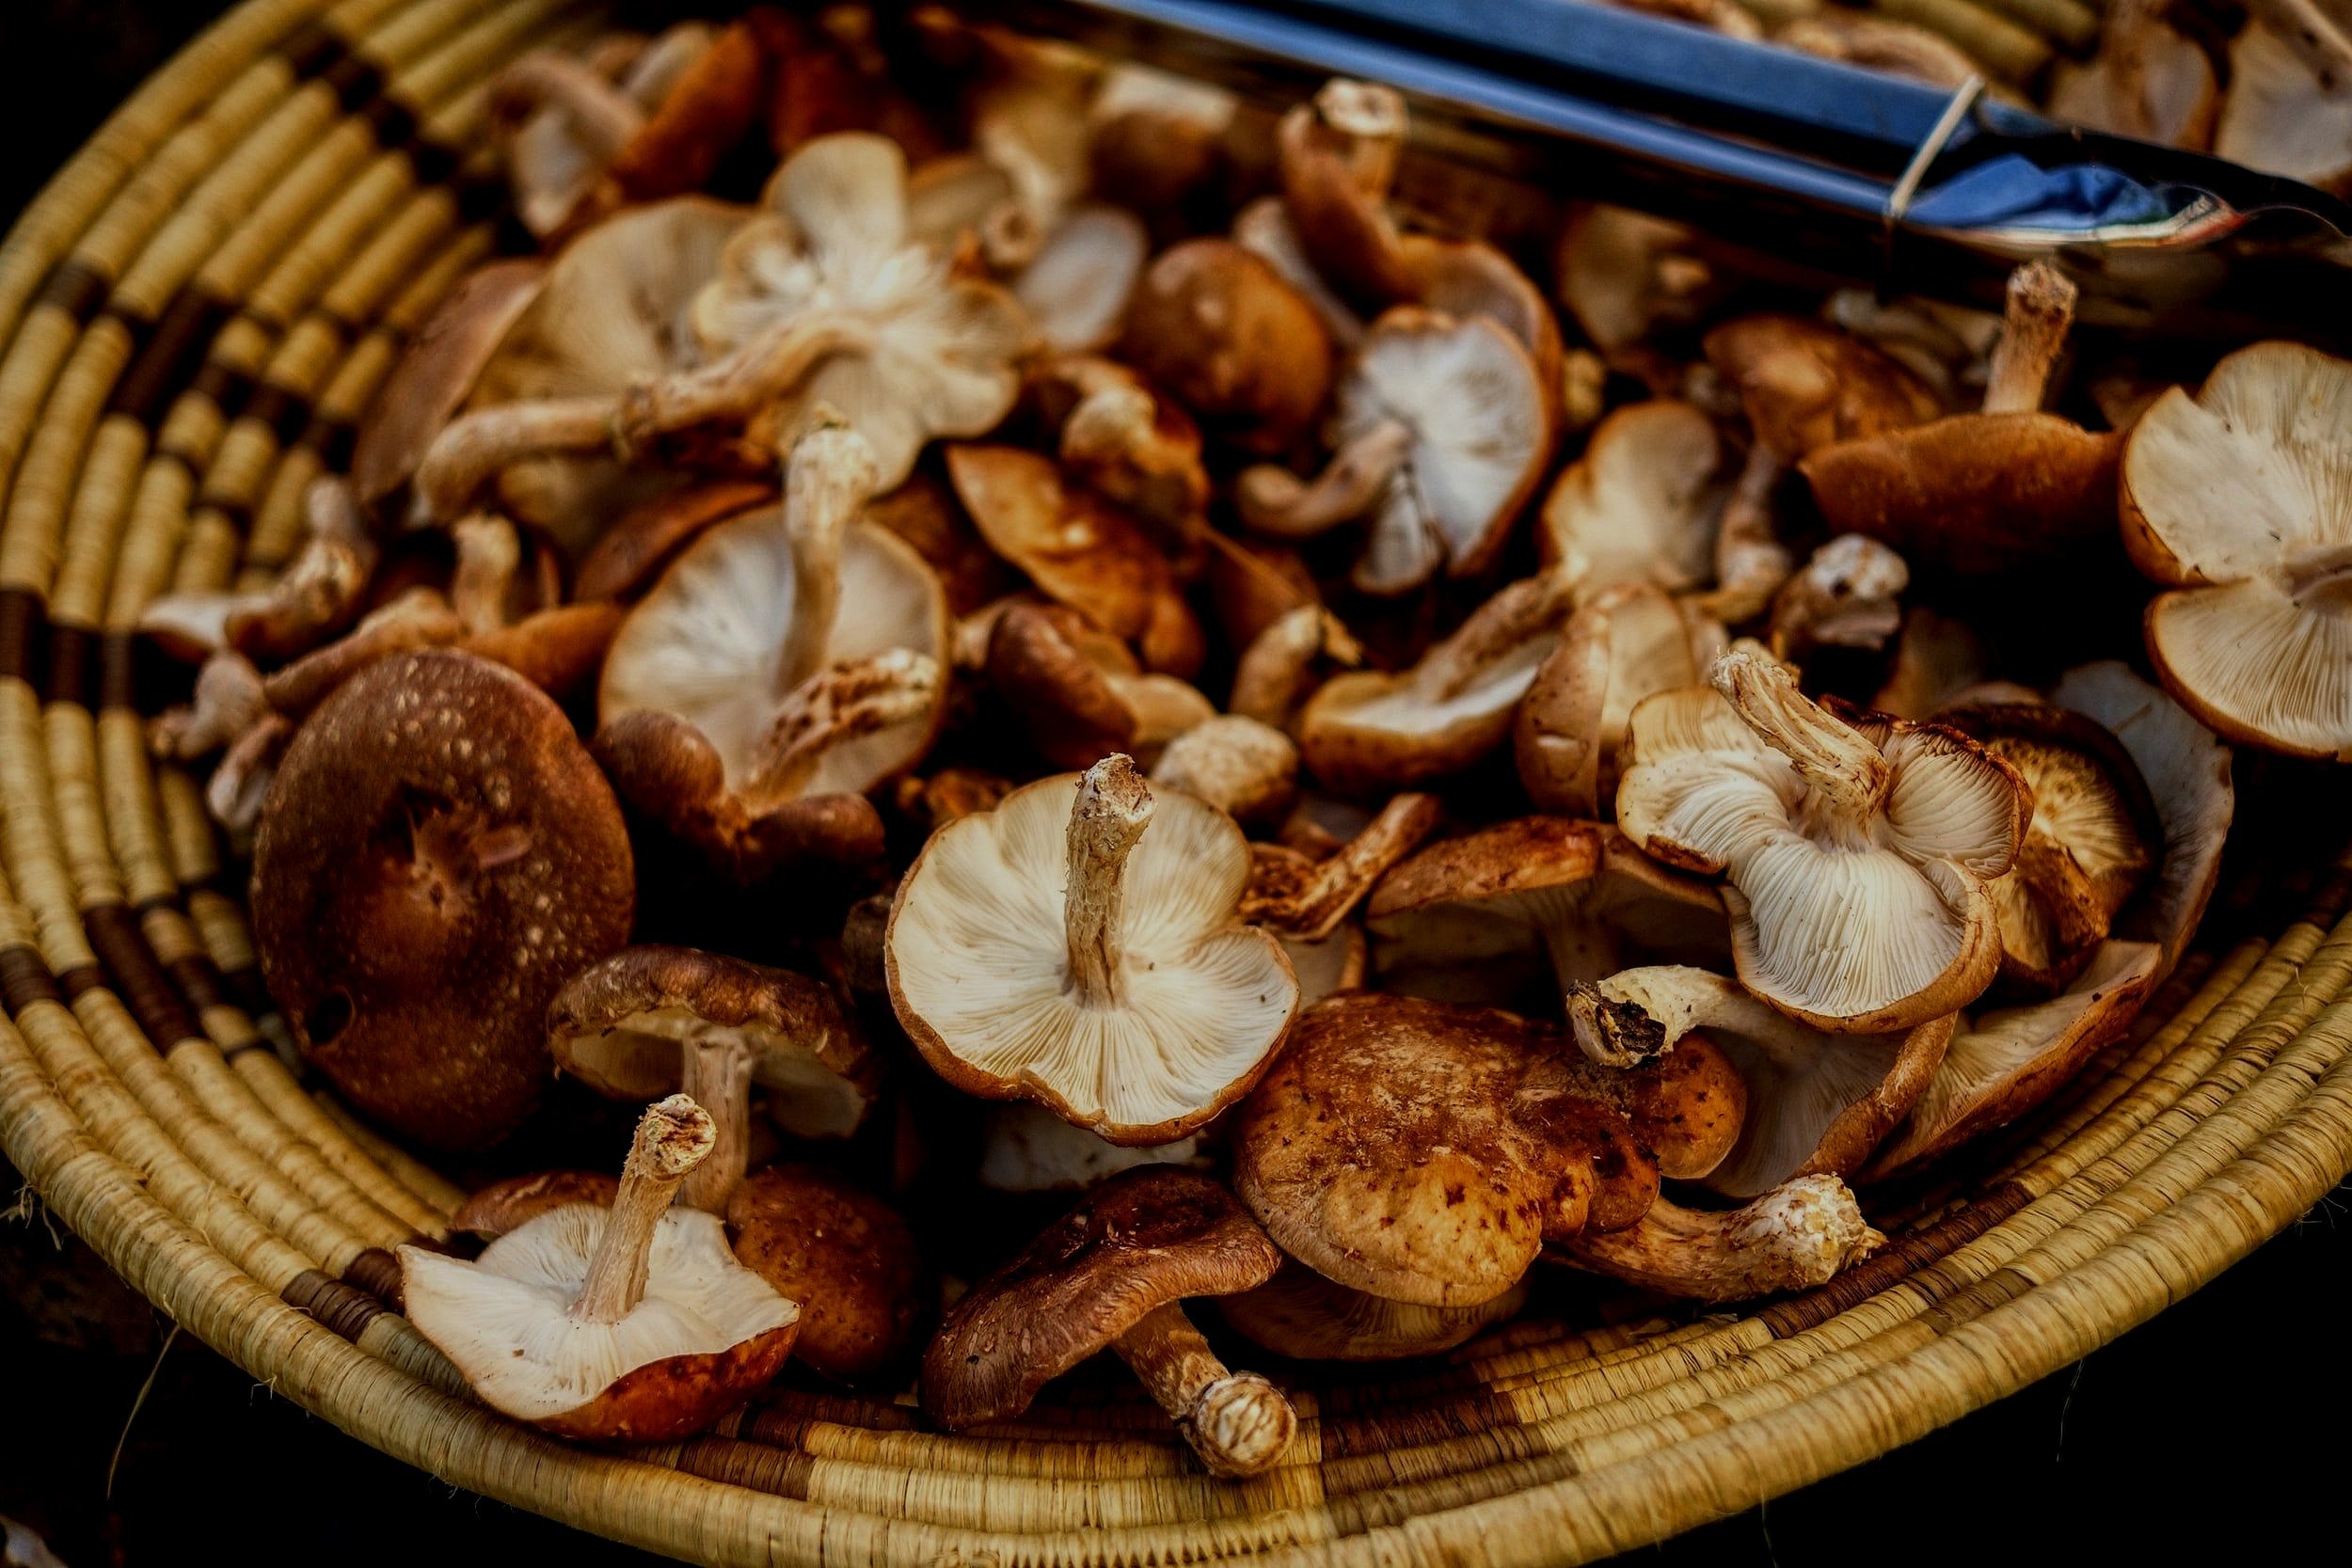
{"x": 1245, "y": 768}
{"x": 1302, "y": 1315}
{"x": 667, "y": 771}
{"x": 1440, "y": 921}
{"x": 844, "y": 1254}
{"x": 1422, "y": 1152}
{"x": 1075, "y": 289}
{"x": 705, "y": 645}
{"x": 979, "y": 967}
{"x": 1641, "y": 503}
{"x": 1805, "y": 384}
{"x": 1481, "y": 430}
{"x": 2226, "y": 497}
{"x": 697, "y": 116}
{"x": 1622, "y": 645}
{"x": 707, "y": 1335}
{"x": 502, "y": 1206}
{"x": 438, "y": 372}
{"x": 1028, "y": 1149}
{"x": 2283, "y": 114}
{"x": 1134, "y": 1244}
{"x": 437, "y": 854}
{"x": 642, "y": 541}
{"x": 1471, "y": 277}
{"x": 2147, "y": 81}
{"x": 1868, "y": 922}
{"x": 1974, "y": 494}
{"x": 2091, "y": 838}
{"x": 1079, "y": 694}
{"x": 621, "y": 1027}
{"x": 1622, "y": 272}
{"x": 1217, "y": 327}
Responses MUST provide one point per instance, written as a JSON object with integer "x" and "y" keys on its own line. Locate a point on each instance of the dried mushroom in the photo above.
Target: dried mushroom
{"x": 1302, "y": 1315}
{"x": 1620, "y": 646}
{"x": 1803, "y": 1234}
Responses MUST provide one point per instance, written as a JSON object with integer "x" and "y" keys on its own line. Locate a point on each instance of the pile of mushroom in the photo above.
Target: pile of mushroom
{"x": 1053, "y": 634}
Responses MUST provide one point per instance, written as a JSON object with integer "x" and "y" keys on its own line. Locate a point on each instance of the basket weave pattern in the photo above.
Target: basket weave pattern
{"x": 195, "y": 313}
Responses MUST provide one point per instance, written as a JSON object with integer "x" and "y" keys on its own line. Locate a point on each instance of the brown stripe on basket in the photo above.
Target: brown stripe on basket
{"x": 168, "y": 360}
{"x": 376, "y": 1272}
{"x": 23, "y": 617}
{"x": 312, "y": 49}
{"x": 340, "y": 1308}
{"x": 1902, "y": 1258}
{"x": 139, "y": 977}
{"x": 24, "y": 979}
{"x": 333, "y": 437}
{"x": 284, "y": 411}
{"x": 72, "y": 664}
{"x": 779, "y": 1472}
{"x": 77, "y": 287}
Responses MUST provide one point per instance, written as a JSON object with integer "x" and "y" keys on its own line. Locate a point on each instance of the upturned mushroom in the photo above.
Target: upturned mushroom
{"x": 1642, "y": 503}
{"x": 1028, "y": 1149}
{"x": 789, "y": 662}
{"x": 650, "y": 1020}
{"x": 2235, "y": 500}
{"x": 1367, "y": 731}
{"x": 1245, "y": 768}
{"x": 1078, "y": 947}
{"x": 1856, "y": 853}
{"x": 631, "y": 1321}
{"x": 846, "y": 1255}
{"x": 2004, "y": 488}
{"x": 1302, "y": 1315}
{"x": 1440, "y": 432}
{"x": 1803, "y": 1234}
{"x": 1624, "y": 274}
{"x": 1620, "y": 646}
{"x": 1078, "y": 693}
{"x": 1112, "y": 1275}
{"x": 1219, "y": 328}
{"x": 1816, "y": 1102}
{"x": 437, "y": 855}
{"x": 1845, "y": 595}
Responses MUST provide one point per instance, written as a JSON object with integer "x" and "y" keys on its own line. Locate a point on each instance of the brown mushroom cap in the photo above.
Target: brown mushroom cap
{"x": 437, "y": 855}
{"x": 503, "y": 1206}
{"x": 437, "y": 373}
{"x": 643, "y": 541}
{"x": 1302, "y": 1315}
{"x": 621, "y": 1025}
{"x": 1805, "y": 384}
{"x": 1136, "y": 1243}
{"x": 1219, "y": 328}
{"x": 1423, "y": 1152}
{"x": 844, "y": 1254}
{"x": 1078, "y": 692}
{"x": 1641, "y": 503}
{"x": 1620, "y": 646}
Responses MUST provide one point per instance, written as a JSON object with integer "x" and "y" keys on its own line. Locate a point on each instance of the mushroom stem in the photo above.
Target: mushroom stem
{"x": 754, "y": 377}
{"x": 1846, "y": 777}
{"x": 1341, "y": 882}
{"x": 1630, "y": 1016}
{"x": 1582, "y": 951}
{"x": 2039, "y": 309}
{"x": 1113, "y": 808}
{"x": 1501, "y": 627}
{"x": 829, "y": 480}
{"x": 1237, "y": 1422}
{"x": 1751, "y": 562}
{"x": 1272, "y": 500}
{"x": 489, "y": 552}
{"x": 472, "y": 450}
{"x": 229, "y": 701}
{"x": 605, "y": 118}
{"x": 832, "y": 707}
{"x": 1800, "y": 1234}
{"x": 716, "y": 1073}
{"x": 1276, "y": 672}
{"x": 2314, "y": 572}
{"x": 1369, "y": 119}
{"x": 673, "y": 1137}
{"x": 240, "y": 779}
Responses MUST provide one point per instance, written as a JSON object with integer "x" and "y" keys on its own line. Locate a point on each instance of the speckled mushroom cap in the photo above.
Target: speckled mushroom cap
{"x": 846, "y": 1255}
{"x": 620, "y": 1026}
{"x": 1424, "y": 1152}
{"x": 437, "y": 856}
{"x": 1137, "y": 1241}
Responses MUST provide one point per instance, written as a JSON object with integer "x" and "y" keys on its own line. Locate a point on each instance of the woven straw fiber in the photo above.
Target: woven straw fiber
{"x": 194, "y": 312}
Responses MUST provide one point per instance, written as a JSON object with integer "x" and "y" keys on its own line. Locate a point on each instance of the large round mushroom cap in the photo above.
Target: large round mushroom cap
{"x": 2239, "y": 500}
{"x": 1641, "y": 504}
{"x": 846, "y": 1255}
{"x": 1136, "y": 1243}
{"x": 437, "y": 855}
{"x": 1244, "y": 350}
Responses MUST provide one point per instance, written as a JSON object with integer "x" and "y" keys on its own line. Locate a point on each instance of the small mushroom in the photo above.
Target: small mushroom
{"x": 1642, "y": 503}
{"x": 1794, "y": 1237}
{"x": 1112, "y": 1275}
{"x": 2234, "y": 500}
{"x": 1232, "y": 340}
{"x": 632, "y": 1322}
{"x": 847, "y": 1257}
{"x": 317, "y": 595}
{"x": 1857, "y": 852}
{"x": 1028, "y": 1149}
{"x": 1077, "y": 692}
{"x": 1157, "y": 137}
{"x": 1280, "y": 667}
{"x": 437, "y": 854}
{"x": 2091, "y": 840}
{"x": 1441, "y": 431}
{"x": 1078, "y": 947}
{"x": 1815, "y": 1102}
{"x": 1299, "y": 897}
{"x": 1247, "y": 770}
{"x": 650, "y": 1020}
{"x": 2288, "y": 109}
{"x": 1120, "y": 437}
{"x": 1843, "y": 596}
{"x": 1367, "y": 730}
{"x": 1624, "y": 274}
{"x": 2146, "y": 80}
{"x": 1619, "y": 646}
{"x": 787, "y": 662}
{"x": 1338, "y": 158}
{"x": 2002, "y": 489}
{"x": 1302, "y": 1315}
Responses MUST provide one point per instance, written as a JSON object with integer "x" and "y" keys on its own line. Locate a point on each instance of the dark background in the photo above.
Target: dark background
{"x": 2218, "y": 1428}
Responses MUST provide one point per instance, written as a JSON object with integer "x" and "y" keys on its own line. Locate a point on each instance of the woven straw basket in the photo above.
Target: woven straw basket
{"x": 195, "y": 313}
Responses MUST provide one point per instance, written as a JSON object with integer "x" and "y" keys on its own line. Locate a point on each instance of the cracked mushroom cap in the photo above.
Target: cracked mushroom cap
{"x": 1816, "y": 1102}
{"x": 629, "y": 1321}
{"x": 437, "y": 854}
{"x": 1219, "y": 328}
{"x": 1302, "y": 1315}
{"x": 1574, "y": 898}
{"x": 1078, "y": 946}
{"x": 846, "y": 1255}
{"x": 1367, "y": 730}
{"x": 1620, "y": 646}
{"x": 2091, "y": 839}
{"x": 916, "y": 351}
{"x": 1805, "y": 384}
{"x": 623, "y": 1026}
{"x": 1077, "y": 692}
{"x": 1423, "y": 1153}
{"x": 2237, "y": 501}
{"x": 1141, "y": 1240}
{"x": 1856, "y": 853}
{"x": 2289, "y": 108}
{"x": 1641, "y": 503}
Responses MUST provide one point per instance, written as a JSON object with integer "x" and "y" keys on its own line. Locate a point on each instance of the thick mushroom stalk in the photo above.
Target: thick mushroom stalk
{"x": 1238, "y": 1422}
{"x": 1113, "y": 808}
{"x": 1272, "y": 500}
{"x": 1277, "y": 671}
{"x": 673, "y": 1137}
{"x": 1847, "y": 777}
{"x": 715, "y": 1072}
{"x": 1638, "y": 1015}
{"x": 830, "y": 479}
{"x": 2039, "y": 311}
{"x": 1800, "y": 1234}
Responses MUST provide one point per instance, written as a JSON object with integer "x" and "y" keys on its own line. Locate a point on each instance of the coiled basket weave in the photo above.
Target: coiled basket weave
{"x": 195, "y": 311}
